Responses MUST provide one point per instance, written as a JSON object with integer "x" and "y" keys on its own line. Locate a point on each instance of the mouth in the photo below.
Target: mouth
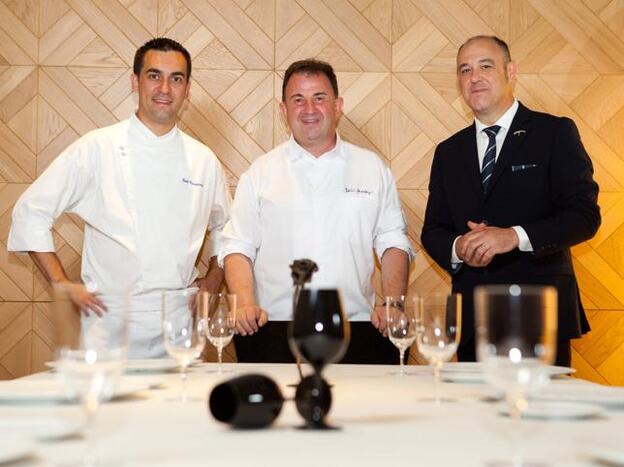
{"x": 162, "y": 101}
{"x": 310, "y": 120}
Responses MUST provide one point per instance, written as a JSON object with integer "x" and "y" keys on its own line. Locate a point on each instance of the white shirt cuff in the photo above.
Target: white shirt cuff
{"x": 454, "y": 258}
{"x": 524, "y": 244}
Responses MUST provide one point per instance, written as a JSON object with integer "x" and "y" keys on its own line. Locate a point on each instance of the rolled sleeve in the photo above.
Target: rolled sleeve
{"x": 242, "y": 233}
{"x": 59, "y": 188}
{"x": 391, "y": 231}
{"x": 219, "y": 214}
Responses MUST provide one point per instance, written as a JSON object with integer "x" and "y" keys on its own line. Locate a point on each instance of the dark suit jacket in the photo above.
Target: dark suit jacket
{"x": 542, "y": 181}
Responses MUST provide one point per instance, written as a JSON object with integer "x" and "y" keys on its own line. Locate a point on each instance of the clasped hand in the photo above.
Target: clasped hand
{"x": 478, "y": 246}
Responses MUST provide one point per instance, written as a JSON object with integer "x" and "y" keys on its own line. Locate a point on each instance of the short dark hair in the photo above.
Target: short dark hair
{"x": 162, "y": 44}
{"x": 313, "y": 67}
{"x": 497, "y": 40}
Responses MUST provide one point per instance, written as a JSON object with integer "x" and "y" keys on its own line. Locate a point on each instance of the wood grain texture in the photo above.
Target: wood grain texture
{"x": 65, "y": 69}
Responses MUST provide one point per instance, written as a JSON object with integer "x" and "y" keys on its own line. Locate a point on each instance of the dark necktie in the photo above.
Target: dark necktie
{"x": 490, "y": 156}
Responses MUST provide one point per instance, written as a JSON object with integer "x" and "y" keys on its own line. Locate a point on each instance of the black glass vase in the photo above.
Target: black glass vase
{"x": 319, "y": 334}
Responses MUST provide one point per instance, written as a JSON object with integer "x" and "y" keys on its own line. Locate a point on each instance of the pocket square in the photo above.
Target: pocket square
{"x": 517, "y": 168}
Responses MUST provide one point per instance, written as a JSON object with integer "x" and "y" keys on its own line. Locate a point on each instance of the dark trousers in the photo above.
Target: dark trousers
{"x": 270, "y": 345}
{"x": 467, "y": 352}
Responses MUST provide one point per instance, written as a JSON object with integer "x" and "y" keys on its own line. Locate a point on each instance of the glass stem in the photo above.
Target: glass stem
{"x": 90, "y": 458}
{"x": 401, "y": 362}
{"x": 436, "y": 377}
{"x": 183, "y": 377}
{"x": 516, "y": 405}
{"x": 220, "y": 357}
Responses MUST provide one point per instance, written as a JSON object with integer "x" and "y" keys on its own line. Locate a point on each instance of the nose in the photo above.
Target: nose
{"x": 309, "y": 106}
{"x": 165, "y": 87}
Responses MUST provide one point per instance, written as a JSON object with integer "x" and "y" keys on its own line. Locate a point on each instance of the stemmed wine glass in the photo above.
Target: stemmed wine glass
{"x": 90, "y": 356}
{"x": 184, "y": 329}
{"x": 516, "y": 339}
{"x": 220, "y": 312}
{"x": 402, "y": 319}
{"x": 440, "y": 330}
{"x": 319, "y": 334}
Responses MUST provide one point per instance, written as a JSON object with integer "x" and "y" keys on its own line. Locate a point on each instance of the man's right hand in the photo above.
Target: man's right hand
{"x": 250, "y": 318}
{"x": 85, "y": 301}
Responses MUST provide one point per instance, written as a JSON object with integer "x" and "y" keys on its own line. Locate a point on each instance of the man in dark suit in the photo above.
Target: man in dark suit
{"x": 509, "y": 195}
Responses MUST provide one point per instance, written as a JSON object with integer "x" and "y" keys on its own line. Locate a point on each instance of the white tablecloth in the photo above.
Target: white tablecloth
{"x": 383, "y": 418}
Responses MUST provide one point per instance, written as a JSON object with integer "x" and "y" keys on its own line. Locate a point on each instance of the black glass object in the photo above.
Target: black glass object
{"x": 319, "y": 334}
{"x": 248, "y": 401}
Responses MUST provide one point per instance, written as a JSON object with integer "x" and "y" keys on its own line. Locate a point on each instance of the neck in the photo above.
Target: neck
{"x": 490, "y": 117}
{"x": 159, "y": 129}
{"x": 317, "y": 150}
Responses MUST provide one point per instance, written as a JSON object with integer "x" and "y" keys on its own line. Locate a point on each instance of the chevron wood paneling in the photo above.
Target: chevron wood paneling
{"x": 65, "y": 69}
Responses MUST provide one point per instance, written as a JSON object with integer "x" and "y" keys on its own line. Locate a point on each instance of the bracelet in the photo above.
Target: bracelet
{"x": 395, "y": 304}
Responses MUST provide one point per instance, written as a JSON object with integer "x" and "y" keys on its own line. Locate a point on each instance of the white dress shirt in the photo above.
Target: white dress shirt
{"x": 504, "y": 122}
{"x": 335, "y": 210}
{"x": 147, "y": 202}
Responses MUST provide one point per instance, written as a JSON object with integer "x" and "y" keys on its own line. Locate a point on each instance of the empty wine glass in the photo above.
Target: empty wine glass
{"x": 516, "y": 339}
{"x": 440, "y": 330}
{"x": 90, "y": 357}
{"x": 183, "y": 329}
{"x": 402, "y": 319}
{"x": 220, "y": 312}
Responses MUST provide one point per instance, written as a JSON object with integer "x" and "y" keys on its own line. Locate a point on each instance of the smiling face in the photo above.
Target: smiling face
{"x": 485, "y": 79}
{"x": 163, "y": 86}
{"x": 312, "y": 111}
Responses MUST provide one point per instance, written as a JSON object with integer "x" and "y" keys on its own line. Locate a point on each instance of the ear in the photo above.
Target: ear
{"x": 283, "y": 111}
{"x": 512, "y": 71}
{"x": 339, "y": 103}
{"x": 134, "y": 80}
{"x": 188, "y": 89}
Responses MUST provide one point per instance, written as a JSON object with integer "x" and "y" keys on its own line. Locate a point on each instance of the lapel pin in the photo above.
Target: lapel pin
{"x": 519, "y": 132}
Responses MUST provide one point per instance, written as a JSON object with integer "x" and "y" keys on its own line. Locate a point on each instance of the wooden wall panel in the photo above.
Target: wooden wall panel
{"x": 65, "y": 69}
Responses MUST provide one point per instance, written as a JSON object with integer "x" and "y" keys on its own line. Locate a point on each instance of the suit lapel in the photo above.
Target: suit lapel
{"x": 470, "y": 160}
{"x": 517, "y": 134}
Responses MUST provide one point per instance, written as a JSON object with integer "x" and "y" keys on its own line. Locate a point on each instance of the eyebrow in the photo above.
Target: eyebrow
{"x": 322, "y": 93}
{"x": 156, "y": 70}
{"x": 480, "y": 61}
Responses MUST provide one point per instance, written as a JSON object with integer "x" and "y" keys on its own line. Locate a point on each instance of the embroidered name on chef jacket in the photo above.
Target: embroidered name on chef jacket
{"x": 192, "y": 183}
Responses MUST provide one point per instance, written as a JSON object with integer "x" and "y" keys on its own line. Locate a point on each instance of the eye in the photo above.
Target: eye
{"x": 486, "y": 66}
{"x": 153, "y": 76}
{"x": 463, "y": 71}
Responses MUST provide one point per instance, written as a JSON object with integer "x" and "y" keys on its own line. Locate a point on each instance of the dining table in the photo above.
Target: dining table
{"x": 378, "y": 417}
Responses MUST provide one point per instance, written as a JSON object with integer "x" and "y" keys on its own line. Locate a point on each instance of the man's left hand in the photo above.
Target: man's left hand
{"x": 378, "y": 319}
{"x": 211, "y": 282}
{"x": 482, "y": 243}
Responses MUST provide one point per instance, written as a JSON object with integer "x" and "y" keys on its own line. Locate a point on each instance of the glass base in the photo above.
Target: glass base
{"x": 518, "y": 463}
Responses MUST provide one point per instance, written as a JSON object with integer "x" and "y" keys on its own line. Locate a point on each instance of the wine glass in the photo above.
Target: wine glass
{"x": 90, "y": 356}
{"x": 319, "y": 334}
{"x": 220, "y": 312}
{"x": 440, "y": 330}
{"x": 516, "y": 339}
{"x": 403, "y": 320}
{"x": 184, "y": 329}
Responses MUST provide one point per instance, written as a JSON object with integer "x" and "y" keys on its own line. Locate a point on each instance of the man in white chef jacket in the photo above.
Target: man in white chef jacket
{"x": 318, "y": 197}
{"x": 147, "y": 192}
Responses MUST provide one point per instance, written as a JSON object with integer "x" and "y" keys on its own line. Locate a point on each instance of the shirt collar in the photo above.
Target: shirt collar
{"x": 296, "y": 151}
{"x": 147, "y": 136}
{"x": 504, "y": 121}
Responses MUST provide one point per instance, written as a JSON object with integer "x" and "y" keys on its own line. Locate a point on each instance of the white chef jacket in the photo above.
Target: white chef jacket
{"x": 147, "y": 202}
{"x": 335, "y": 210}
